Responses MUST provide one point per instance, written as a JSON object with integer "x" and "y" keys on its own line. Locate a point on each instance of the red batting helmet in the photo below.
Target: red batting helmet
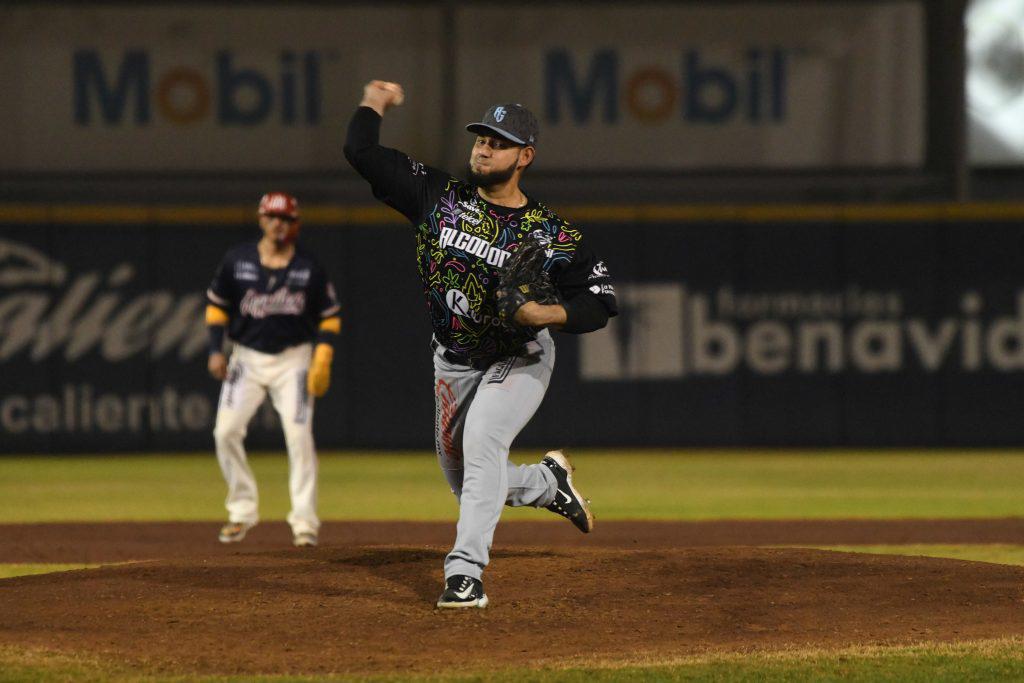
{"x": 284, "y": 205}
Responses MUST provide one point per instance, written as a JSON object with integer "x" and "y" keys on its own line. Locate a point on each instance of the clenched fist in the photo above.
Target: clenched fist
{"x": 381, "y": 95}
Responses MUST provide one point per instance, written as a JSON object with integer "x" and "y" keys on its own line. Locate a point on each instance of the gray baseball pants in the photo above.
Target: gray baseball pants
{"x": 478, "y": 414}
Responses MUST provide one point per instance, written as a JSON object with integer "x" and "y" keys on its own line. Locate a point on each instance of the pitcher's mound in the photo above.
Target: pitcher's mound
{"x": 369, "y": 609}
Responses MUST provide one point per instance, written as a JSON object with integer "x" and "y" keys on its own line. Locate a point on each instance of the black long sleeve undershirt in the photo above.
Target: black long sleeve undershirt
{"x": 584, "y": 313}
{"x": 363, "y": 132}
{"x": 409, "y": 187}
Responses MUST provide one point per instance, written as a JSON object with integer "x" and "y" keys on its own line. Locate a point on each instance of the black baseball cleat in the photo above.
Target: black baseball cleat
{"x": 462, "y": 591}
{"x": 568, "y": 501}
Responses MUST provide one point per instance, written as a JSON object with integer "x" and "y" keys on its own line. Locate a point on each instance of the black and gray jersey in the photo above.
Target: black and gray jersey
{"x": 269, "y": 309}
{"x": 462, "y": 242}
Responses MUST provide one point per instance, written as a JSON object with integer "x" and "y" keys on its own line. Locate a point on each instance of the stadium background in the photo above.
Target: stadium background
{"x": 806, "y": 252}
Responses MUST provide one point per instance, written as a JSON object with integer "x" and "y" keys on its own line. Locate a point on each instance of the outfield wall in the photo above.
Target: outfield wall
{"x": 772, "y": 326}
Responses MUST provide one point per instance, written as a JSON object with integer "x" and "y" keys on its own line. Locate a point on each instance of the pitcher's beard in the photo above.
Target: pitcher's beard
{"x": 491, "y": 178}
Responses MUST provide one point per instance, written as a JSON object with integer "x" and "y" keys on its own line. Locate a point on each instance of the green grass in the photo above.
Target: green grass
{"x": 980, "y": 661}
{"x": 9, "y": 571}
{"x": 190, "y": 487}
{"x": 830, "y": 484}
{"x": 995, "y": 553}
{"x": 623, "y": 485}
{"x": 996, "y": 660}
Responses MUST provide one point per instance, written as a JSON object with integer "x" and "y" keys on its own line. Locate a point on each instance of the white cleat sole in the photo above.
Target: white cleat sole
{"x": 481, "y": 603}
{"x": 563, "y": 460}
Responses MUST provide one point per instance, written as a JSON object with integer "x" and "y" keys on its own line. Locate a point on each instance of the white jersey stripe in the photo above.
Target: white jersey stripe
{"x": 216, "y": 299}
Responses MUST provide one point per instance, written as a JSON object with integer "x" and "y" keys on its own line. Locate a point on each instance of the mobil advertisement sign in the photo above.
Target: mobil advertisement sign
{"x": 699, "y": 90}
{"x": 735, "y": 85}
{"x": 218, "y": 107}
{"x": 131, "y": 87}
{"x": 229, "y": 89}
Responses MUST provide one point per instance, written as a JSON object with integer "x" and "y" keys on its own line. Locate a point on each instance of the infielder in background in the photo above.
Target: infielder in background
{"x": 493, "y": 354}
{"x": 274, "y": 301}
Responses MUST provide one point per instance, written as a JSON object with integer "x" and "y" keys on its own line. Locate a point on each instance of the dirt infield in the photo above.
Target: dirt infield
{"x": 362, "y": 601}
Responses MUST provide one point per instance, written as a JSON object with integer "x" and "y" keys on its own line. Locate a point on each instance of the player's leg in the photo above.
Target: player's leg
{"x": 531, "y": 485}
{"x": 295, "y": 406}
{"x": 241, "y": 395}
{"x": 454, "y": 389}
{"x": 508, "y": 395}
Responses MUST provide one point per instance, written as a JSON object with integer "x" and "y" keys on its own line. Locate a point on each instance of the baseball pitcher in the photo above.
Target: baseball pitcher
{"x": 499, "y": 271}
{"x": 275, "y": 302}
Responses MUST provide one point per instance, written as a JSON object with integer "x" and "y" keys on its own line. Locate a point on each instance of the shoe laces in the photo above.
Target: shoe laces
{"x": 464, "y": 583}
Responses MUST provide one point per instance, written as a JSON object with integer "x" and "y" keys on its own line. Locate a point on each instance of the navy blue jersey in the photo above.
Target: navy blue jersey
{"x": 270, "y": 310}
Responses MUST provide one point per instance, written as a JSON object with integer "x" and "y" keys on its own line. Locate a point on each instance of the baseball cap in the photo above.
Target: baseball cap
{"x": 279, "y": 204}
{"x": 511, "y": 121}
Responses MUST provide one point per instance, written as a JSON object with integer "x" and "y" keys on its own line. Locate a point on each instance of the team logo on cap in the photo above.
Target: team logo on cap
{"x": 499, "y": 114}
{"x": 279, "y": 204}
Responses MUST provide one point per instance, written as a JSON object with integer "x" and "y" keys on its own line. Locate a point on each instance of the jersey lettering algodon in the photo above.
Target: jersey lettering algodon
{"x": 271, "y": 310}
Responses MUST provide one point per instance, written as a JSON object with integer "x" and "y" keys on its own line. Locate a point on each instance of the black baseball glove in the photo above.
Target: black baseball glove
{"x": 523, "y": 279}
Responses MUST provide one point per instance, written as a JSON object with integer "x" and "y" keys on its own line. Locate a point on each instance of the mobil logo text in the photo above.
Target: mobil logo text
{"x": 135, "y": 87}
{"x": 748, "y": 85}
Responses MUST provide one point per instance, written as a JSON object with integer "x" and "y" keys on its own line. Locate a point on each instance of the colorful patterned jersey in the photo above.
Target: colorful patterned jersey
{"x": 462, "y": 241}
{"x": 460, "y": 245}
{"x": 270, "y": 310}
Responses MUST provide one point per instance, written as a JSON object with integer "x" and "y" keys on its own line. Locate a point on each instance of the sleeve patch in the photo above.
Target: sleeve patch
{"x": 599, "y": 271}
{"x": 216, "y": 316}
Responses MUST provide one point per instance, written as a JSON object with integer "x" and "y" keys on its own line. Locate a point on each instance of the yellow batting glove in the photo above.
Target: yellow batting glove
{"x": 319, "y": 377}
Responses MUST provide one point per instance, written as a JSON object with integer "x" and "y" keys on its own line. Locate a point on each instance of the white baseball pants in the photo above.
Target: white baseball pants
{"x": 251, "y": 376}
